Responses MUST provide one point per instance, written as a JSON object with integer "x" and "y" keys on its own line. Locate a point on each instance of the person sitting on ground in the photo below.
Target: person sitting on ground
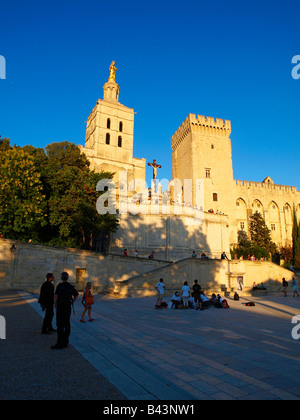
{"x": 262, "y": 287}
{"x": 218, "y": 302}
{"x": 213, "y": 299}
{"x": 205, "y": 301}
{"x": 13, "y": 248}
{"x": 236, "y": 296}
{"x": 255, "y": 286}
{"x": 176, "y": 300}
{"x": 192, "y": 304}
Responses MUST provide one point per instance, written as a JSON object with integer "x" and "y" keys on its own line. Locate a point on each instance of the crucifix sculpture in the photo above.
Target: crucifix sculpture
{"x": 155, "y": 166}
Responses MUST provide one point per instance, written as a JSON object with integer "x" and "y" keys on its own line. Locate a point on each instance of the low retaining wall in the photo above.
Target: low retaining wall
{"x": 26, "y": 267}
{"x": 214, "y": 276}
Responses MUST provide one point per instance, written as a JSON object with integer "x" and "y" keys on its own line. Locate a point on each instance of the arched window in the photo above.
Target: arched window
{"x": 108, "y": 123}
{"x": 120, "y": 126}
{"x": 107, "y": 138}
{"x": 119, "y": 141}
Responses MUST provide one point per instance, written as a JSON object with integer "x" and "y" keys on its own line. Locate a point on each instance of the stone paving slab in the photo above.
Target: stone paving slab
{"x": 241, "y": 353}
{"x": 29, "y": 370}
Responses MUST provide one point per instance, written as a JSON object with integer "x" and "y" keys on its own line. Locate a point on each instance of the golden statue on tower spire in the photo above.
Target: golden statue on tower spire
{"x": 112, "y": 72}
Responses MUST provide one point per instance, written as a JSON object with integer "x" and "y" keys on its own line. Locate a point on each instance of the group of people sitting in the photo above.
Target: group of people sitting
{"x": 195, "y": 298}
{"x": 260, "y": 286}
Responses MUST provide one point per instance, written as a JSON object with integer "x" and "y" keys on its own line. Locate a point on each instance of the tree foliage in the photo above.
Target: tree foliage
{"x": 296, "y": 240}
{"x": 22, "y": 204}
{"x": 259, "y": 244}
{"x": 4, "y": 144}
{"x": 52, "y": 197}
{"x": 260, "y": 234}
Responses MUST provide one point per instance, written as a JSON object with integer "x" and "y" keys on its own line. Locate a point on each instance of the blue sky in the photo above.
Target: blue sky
{"x": 224, "y": 59}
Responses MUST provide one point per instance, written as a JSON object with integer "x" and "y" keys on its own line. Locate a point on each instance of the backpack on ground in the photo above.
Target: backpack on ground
{"x": 225, "y": 304}
{"x": 249, "y": 304}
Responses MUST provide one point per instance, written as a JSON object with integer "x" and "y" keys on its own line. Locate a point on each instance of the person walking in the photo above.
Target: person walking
{"x": 284, "y": 287}
{"x": 46, "y": 300}
{"x": 65, "y": 295}
{"x": 87, "y": 301}
{"x": 295, "y": 287}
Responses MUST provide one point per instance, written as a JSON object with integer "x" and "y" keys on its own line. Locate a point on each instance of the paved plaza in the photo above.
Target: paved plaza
{"x": 133, "y": 351}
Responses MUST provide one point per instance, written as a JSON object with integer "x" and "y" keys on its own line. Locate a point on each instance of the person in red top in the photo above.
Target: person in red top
{"x": 87, "y": 301}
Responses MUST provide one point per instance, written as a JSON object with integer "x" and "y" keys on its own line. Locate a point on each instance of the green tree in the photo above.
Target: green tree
{"x": 4, "y": 144}
{"x": 22, "y": 204}
{"x": 260, "y": 234}
{"x": 72, "y": 197}
{"x": 296, "y": 240}
{"x": 246, "y": 248}
{"x": 50, "y": 196}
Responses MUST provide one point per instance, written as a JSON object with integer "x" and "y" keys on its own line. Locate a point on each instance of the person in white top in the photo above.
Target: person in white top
{"x": 295, "y": 288}
{"x": 160, "y": 287}
{"x": 185, "y": 293}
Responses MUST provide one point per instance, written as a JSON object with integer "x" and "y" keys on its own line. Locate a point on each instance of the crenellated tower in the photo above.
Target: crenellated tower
{"x": 202, "y": 150}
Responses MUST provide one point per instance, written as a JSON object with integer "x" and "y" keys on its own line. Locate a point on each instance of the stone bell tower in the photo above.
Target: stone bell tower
{"x": 109, "y": 134}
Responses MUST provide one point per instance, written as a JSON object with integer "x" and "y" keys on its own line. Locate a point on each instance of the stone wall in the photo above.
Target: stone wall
{"x": 27, "y": 266}
{"x": 172, "y": 238}
{"x": 214, "y": 276}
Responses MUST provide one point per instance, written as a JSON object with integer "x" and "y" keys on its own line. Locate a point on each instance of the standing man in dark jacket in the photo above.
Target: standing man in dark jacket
{"x": 65, "y": 295}
{"x": 46, "y": 300}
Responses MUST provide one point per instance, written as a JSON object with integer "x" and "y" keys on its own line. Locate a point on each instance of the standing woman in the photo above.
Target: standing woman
{"x": 87, "y": 301}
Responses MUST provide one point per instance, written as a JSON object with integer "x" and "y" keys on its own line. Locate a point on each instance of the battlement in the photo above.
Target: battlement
{"x": 199, "y": 124}
{"x": 266, "y": 186}
{"x": 210, "y": 122}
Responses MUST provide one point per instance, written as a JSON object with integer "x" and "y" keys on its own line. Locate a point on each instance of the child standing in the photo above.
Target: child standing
{"x": 87, "y": 301}
{"x": 185, "y": 294}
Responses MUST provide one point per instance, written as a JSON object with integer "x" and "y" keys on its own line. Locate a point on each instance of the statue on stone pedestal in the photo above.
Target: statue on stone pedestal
{"x": 112, "y": 72}
{"x": 155, "y": 166}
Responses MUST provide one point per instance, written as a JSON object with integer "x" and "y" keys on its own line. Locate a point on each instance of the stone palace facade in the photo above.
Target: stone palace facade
{"x": 201, "y": 150}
